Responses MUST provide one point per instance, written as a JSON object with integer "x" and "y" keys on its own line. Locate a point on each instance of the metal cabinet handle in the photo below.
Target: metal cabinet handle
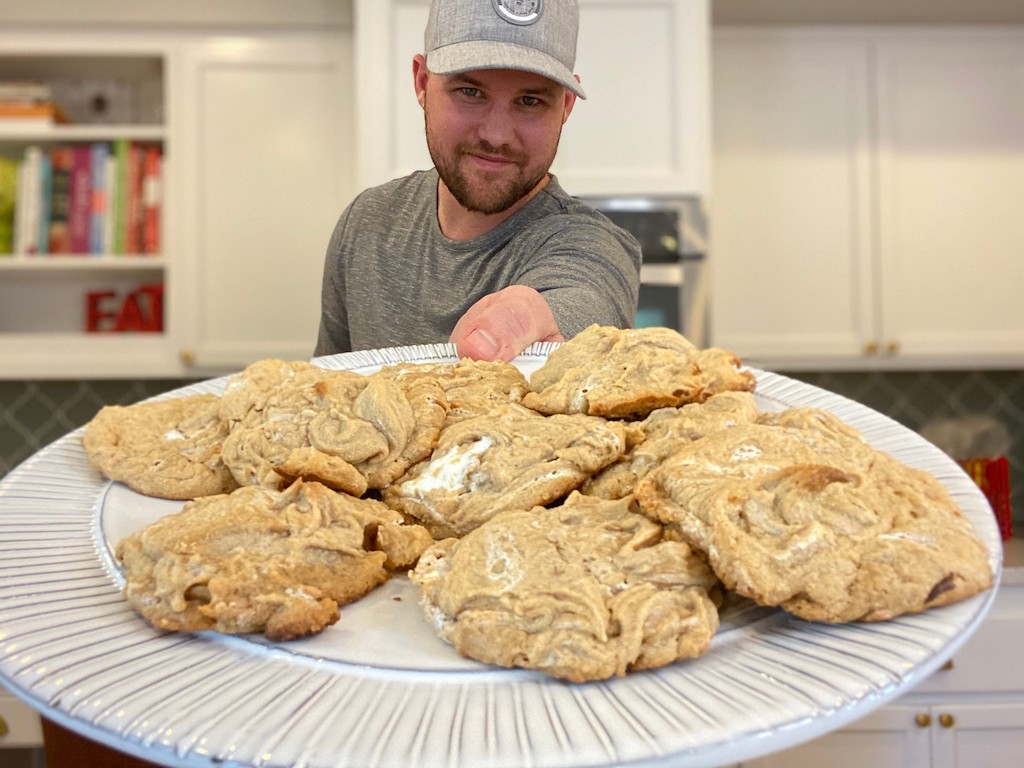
{"x": 946, "y": 720}
{"x": 923, "y": 720}
{"x": 4, "y": 727}
{"x": 188, "y": 356}
{"x": 871, "y": 348}
{"x": 892, "y": 348}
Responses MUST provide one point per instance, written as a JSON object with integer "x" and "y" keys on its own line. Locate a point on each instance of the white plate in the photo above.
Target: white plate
{"x": 379, "y": 689}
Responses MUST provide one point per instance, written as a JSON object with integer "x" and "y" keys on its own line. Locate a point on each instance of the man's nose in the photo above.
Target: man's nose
{"x": 497, "y": 126}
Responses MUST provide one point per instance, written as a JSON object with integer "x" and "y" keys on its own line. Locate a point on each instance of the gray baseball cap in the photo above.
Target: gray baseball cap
{"x": 532, "y": 35}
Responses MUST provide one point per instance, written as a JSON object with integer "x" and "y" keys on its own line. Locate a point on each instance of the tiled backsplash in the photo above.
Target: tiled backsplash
{"x": 35, "y": 413}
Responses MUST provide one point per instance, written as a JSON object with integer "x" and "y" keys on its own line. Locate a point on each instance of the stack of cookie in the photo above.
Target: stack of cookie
{"x": 585, "y": 523}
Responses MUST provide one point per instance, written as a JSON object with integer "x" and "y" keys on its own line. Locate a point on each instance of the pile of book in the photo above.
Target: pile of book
{"x": 82, "y": 198}
{"x": 29, "y": 102}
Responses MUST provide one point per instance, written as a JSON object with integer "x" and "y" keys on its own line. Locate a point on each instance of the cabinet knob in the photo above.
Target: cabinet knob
{"x": 4, "y": 727}
{"x": 187, "y": 356}
{"x": 947, "y": 666}
{"x": 946, "y": 720}
{"x": 892, "y": 348}
{"x": 923, "y": 720}
{"x": 871, "y": 348}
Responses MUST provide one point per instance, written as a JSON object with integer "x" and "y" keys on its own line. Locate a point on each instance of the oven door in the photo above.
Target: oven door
{"x": 661, "y": 296}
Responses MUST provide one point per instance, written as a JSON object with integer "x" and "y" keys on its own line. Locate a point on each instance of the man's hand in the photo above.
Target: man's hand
{"x": 502, "y": 324}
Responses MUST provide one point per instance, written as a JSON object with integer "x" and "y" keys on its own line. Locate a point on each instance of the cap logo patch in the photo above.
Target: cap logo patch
{"x": 518, "y": 11}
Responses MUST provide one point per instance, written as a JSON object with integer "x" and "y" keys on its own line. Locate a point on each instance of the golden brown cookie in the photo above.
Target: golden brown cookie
{"x": 249, "y": 389}
{"x": 258, "y": 560}
{"x": 165, "y": 448}
{"x": 349, "y": 431}
{"x": 509, "y": 459}
{"x": 797, "y": 510}
{"x": 472, "y": 387}
{"x": 628, "y": 373}
{"x": 664, "y": 432}
{"x": 583, "y": 591}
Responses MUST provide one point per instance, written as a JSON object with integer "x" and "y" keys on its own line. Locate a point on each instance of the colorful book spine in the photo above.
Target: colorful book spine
{"x": 28, "y": 200}
{"x": 133, "y": 214}
{"x": 120, "y": 194}
{"x": 152, "y": 183}
{"x": 61, "y": 162}
{"x": 8, "y": 192}
{"x": 80, "y": 204}
{"x": 45, "y": 195}
{"x": 110, "y": 184}
{"x": 98, "y": 153}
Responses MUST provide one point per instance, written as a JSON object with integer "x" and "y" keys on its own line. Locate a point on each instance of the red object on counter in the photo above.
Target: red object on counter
{"x": 993, "y": 477}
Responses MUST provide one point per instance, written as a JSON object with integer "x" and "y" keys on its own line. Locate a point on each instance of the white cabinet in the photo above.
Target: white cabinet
{"x": 643, "y": 128}
{"x": 970, "y": 713}
{"x": 258, "y": 140}
{"x": 20, "y": 725}
{"x": 865, "y": 197}
{"x": 266, "y": 133}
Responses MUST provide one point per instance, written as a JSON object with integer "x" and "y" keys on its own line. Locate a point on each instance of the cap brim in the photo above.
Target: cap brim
{"x": 483, "y": 54}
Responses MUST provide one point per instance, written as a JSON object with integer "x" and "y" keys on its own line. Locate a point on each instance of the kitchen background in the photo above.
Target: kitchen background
{"x": 37, "y": 409}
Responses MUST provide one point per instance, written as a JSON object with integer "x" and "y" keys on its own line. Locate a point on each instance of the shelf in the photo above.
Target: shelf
{"x": 85, "y": 262}
{"x": 11, "y": 131}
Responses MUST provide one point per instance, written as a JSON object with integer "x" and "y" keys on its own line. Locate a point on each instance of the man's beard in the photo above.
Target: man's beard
{"x": 486, "y": 197}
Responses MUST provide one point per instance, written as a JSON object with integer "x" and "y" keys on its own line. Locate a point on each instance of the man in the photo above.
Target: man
{"x": 485, "y": 250}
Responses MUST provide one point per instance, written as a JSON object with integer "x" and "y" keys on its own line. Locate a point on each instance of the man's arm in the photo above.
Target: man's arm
{"x": 502, "y": 324}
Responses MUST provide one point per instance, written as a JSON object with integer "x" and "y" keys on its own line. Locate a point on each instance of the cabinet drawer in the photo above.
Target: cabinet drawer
{"x": 24, "y": 729}
{"x": 989, "y": 660}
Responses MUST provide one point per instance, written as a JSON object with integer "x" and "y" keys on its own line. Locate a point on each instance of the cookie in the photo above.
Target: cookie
{"x": 165, "y": 448}
{"x": 628, "y": 373}
{"x": 797, "y": 510}
{"x": 250, "y": 389}
{"x": 259, "y": 560}
{"x": 472, "y": 387}
{"x": 584, "y": 591}
{"x": 348, "y": 431}
{"x": 508, "y": 459}
{"x": 664, "y": 432}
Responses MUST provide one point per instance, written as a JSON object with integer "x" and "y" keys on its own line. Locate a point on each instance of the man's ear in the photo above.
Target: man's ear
{"x": 419, "y": 77}
{"x": 570, "y": 102}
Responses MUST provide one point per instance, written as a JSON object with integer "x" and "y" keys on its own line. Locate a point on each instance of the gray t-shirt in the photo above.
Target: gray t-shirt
{"x": 391, "y": 278}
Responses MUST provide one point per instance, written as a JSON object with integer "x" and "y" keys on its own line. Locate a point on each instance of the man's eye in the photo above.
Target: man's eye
{"x": 470, "y": 92}
{"x": 532, "y": 101}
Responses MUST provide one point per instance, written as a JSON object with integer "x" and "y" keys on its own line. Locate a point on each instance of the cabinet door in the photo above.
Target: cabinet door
{"x": 268, "y": 140}
{"x": 791, "y": 268}
{"x": 887, "y": 738}
{"x": 951, "y": 174}
{"x": 641, "y": 130}
{"x": 969, "y": 735}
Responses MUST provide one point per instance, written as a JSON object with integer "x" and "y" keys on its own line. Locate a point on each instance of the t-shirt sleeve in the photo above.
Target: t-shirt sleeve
{"x": 333, "y": 336}
{"x": 587, "y": 271}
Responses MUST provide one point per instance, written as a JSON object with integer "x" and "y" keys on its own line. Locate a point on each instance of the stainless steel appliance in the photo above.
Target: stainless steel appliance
{"x": 673, "y": 239}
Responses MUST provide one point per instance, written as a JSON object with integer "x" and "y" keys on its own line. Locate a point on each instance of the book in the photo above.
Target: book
{"x": 80, "y": 199}
{"x": 151, "y": 199}
{"x": 27, "y": 202}
{"x": 119, "y": 194}
{"x": 98, "y": 153}
{"x": 133, "y": 199}
{"x": 61, "y": 160}
{"x": 110, "y": 220}
{"x": 45, "y": 195}
{"x": 8, "y": 192}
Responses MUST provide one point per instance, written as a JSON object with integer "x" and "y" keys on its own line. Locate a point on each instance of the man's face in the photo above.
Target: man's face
{"x": 493, "y": 134}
